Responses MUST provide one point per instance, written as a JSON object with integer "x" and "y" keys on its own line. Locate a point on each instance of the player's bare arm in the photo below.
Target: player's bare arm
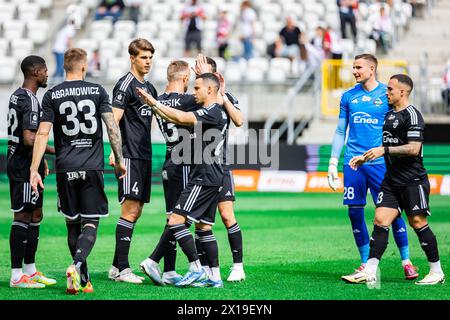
{"x": 118, "y": 114}
{"x": 115, "y": 141}
{"x": 167, "y": 113}
{"x": 411, "y": 149}
{"x": 40, "y": 145}
{"x": 234, "y": 113}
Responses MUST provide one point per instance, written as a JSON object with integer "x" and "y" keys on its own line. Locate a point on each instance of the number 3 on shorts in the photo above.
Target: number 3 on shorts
{"x": 349, "y": 193}
{"x": 380, "y": 197}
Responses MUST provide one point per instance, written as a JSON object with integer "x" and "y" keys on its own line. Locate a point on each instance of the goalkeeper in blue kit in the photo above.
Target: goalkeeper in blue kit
{"x": 362, "y": 111}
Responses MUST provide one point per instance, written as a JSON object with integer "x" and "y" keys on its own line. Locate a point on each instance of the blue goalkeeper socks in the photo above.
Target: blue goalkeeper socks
{"x": 359, "y": 228}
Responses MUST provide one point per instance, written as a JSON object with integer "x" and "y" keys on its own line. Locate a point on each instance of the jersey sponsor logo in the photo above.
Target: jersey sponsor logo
{"x": 14, "y": 99}
{"x": 395, "y": 125}
{"x": 366, "y": 99}
{"x": 355, "y": 101}
{"x": 388, "y": 138}
{"x": 378, "y": 102}
{"x": 363, "y": 118}
{"x": 202, "y": 112}
{"x": 145, "y": 110}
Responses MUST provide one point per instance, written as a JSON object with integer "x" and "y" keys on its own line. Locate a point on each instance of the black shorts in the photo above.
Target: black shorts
{"x": 227, "y": 192}
{"x": 175, "y": 179}
{"x": 193, "y": 37}
{"x": 413, "y": 199}
{"x": 81, "y": 193}
{"x": 23, "y": 198}
{"x": 137, "y": 184}
{"x": 198, "y": 203}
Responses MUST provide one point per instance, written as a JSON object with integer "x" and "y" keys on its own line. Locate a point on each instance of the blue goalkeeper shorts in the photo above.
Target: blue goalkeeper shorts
{"x": 357, "y": 182}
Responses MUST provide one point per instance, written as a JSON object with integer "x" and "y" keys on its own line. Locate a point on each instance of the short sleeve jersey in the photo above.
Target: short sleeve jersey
{"x": 364, "y": 113}
{"x": 172, "y": 132}
{"x": 400, "y": 128}
{"x": 75, "y": 108}
{"x": 226, "y": 157}
{"x": 23, "y": 114}
{"x": 136, "y": 123}
{"x": 209, "y": 132}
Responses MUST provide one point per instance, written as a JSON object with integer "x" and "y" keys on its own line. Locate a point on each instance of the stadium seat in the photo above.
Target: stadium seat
{"x": 117, "y": 67}
{"x": 347, "y": 46}
{"x": 282, "y": 63}
{"x": 233, "y": 72}
{"x": 124, "y": 29}
{"x": 260, "y": 47}
{"x": 38, "y": 31}
{"x": 7, "y": 11}
{"x": 259, "y": 63}
{"x": 87, "y": 44}
{"x": 4, "y": 45}
{"x": 13, "y": 29}
{"x": 44, "y": 4}
{"x": 254, "y": 74}
{"x": 28, "y": 11}
{"x": 109, "y": 48}
{"x": 221, "y": 64}
{"x": 146, "y": 28}
{"x": 159, "y": 74}
{"x": 8, "y": 66}
{"x": 91, "y": 4}
{"x": 101, "y": 29}
{"x": 20, "y": 48}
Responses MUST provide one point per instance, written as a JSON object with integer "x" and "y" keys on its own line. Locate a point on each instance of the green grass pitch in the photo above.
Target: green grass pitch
{"x": 296, "y": 246}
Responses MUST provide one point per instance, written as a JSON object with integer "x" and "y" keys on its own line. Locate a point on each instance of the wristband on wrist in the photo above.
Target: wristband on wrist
{"x": 386, "y": 150}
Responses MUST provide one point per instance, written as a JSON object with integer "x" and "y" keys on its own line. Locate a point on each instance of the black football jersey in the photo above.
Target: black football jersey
{"x": 136, "y": 123}
{"x": 235, "y": 102}
{"x": 171, "y": 131}
{"x": 75, "y": 108}
{"x": 209, "y": 133}
{"x": 23, "y": 114}
{"x": 398, "y": 129}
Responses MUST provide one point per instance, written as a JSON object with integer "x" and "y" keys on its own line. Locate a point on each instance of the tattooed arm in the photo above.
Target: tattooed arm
{"x": 411, "y": 149}
{"x": 115, "y": 141}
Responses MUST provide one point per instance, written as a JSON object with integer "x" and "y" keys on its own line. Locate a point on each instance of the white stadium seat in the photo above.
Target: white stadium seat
{"x": 38, "y": 31}
{"x": 4, "y": 45}
{"x": 282, "y": 63}
{"x": 20, "y": 48}
{"x": 7, "y": 11}
{"x": 233, "y": 72}
{"x": 8, "y": 66}
{"x": 44, "y": 4}
{"x": 28, "y": 11}
{"x": 276, "y": 75}
{"x": 13, "y": 29}
{"x": 116, "y": 68}
{"x": 259, "y": 63}
{"x": 254, "y": 74}
{"x": 124, "y": 29}
{"x": 101, "y": 29}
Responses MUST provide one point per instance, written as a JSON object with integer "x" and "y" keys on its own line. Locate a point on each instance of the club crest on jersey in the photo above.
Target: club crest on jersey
{"x": 366, "y": 99}
{"x": 34, "y": 118}
{"x": 395, "y": 124}
{"x": 14, "y": 99}
{"x": 391, "y": 117}
{"x": 378, "y": 102}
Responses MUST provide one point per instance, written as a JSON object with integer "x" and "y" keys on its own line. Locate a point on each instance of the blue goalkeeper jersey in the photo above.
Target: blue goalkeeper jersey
{"x": 364, "y": 113}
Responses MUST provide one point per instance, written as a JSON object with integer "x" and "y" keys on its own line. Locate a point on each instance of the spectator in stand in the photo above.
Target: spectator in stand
{"x": 290, "y": 36}
{"x": 446, "y": 90}
{"x": 332, "y": 44}
{"x": 347, "y": 16}
{"x": 94, "y": 64}
{"x": 133, "y": 7}
{"x": 382, "y": 29}
{"x": 247, "y": 21}
{"x": 274, "y": 49}
{"x": 110, "y": 8}
{"x": 223, "y": 31}
{"x": 193, "y": 16}
{"x": 313, "y": 54}
{"x": 63, "y": 42}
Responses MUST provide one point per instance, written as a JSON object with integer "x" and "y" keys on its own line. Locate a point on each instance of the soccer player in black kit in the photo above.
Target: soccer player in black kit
{"x": 76, "y": 108}
{"x": 198, "y": 201}
{"x": 23, "y": 120}
{"x": 175, "y": 171}
{"x": 135, "y": 121}
{"x": 405, "y": 185}
{"x": 226, "y": 197}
